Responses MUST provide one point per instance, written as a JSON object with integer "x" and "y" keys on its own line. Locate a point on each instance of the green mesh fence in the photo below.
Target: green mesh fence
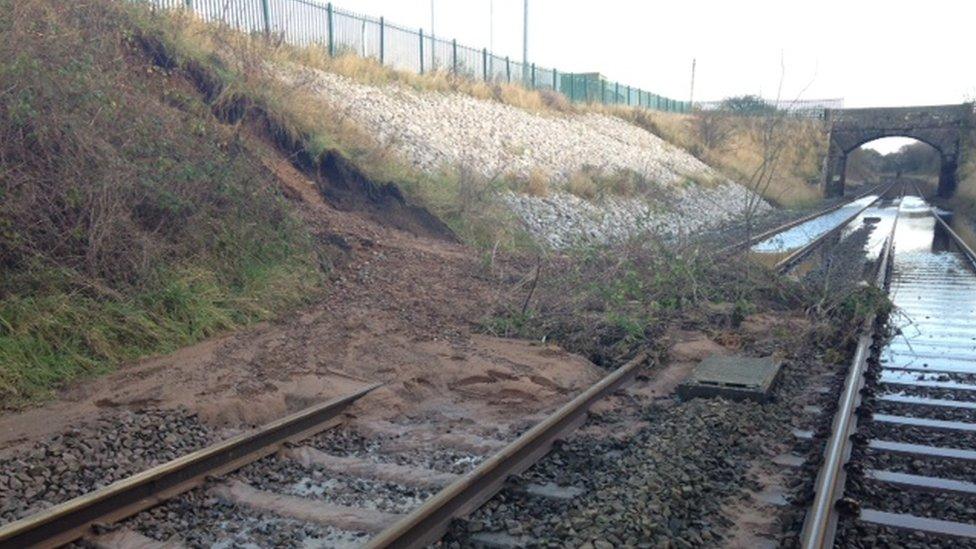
{"x": 306, "y": 23}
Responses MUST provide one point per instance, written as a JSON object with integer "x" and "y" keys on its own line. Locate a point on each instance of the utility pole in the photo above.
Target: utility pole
{"x": 491, "y": 26}
{"x": 691, "y": 96}
{"x": 525, "y": 40}
{"x": 433, "y": 44}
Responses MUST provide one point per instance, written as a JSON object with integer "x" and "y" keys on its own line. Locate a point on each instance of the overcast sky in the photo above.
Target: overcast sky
{"x": 868, "y": 52}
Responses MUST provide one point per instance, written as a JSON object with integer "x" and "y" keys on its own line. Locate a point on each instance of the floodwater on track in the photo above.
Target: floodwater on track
{"x": 805, "y": 233}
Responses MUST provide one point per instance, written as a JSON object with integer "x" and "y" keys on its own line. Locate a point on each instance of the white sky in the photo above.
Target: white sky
{"x": 869, "y": 52}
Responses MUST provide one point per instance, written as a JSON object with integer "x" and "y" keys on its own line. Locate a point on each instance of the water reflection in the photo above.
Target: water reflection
{"x": 805, "y": 233}
{"x": 933, "y": 288}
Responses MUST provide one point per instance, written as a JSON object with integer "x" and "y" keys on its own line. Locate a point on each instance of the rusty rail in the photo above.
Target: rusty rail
{"x": 74, "y": 518}
{"x": 430, "y": 521}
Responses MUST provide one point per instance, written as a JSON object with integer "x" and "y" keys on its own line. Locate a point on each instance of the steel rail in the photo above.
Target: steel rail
{"x": 967, "y": 251}
{"x": 427, "y": 523}
{"x": 73, "y": 519}
{"x": 789, "y": 225}
{"x": 788, "y": 262}
{"x": 820, "y": 523}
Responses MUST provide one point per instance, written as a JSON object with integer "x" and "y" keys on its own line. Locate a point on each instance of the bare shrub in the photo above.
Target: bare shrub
{"x": 713, "y": 130}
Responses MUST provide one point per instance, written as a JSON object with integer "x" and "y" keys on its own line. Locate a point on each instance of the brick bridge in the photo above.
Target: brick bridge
{"x": 944, "y": 127}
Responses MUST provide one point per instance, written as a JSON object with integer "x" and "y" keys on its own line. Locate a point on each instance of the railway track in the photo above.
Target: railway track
{"x": 837, "y": 219}
{"x": 307, "y": 480}
{"x": 899, "y": 467}
{"x": 304, "y": 480}
{"x": 879, "y": 190}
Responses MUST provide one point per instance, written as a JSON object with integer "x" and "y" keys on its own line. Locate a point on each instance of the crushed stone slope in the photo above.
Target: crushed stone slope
{"x": 438, "y": 130}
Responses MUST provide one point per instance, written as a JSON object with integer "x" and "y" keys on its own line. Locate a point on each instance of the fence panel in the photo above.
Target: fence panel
{"x": 307, "y": 22}
{"x": 402, "y": 48}
{"x": 469, "y": 63}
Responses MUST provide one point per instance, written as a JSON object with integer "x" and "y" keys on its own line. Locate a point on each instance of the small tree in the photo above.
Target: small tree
{"x": 748, "y": 104}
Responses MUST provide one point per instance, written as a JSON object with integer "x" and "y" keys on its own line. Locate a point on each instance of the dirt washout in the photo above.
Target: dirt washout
{"x": 401, "y": 309}
{"x": 341, "y": 182}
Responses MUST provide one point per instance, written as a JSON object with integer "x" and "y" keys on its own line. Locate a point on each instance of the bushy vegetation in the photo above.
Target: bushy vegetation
{"x": 915, "y": 159}
{"x": 131, "y": 222}
{"x": 608, "y": 301}
{"x": 964, "y": 201}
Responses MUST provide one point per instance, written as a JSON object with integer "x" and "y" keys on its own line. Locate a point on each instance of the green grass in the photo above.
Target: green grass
{"x": 132, "y": 222}
{"x": 48, "y": 339}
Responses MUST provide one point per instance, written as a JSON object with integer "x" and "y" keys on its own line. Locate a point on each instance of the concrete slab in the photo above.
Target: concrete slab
{"x": 732, "y": 377}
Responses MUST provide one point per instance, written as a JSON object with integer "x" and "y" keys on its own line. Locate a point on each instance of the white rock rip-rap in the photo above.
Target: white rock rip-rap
{"x": 437, "y": 130}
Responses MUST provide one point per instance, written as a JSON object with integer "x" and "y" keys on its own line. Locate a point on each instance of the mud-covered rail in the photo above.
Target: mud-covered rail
{"x": 427, "y": 523}
{"x": 75, "y": 518}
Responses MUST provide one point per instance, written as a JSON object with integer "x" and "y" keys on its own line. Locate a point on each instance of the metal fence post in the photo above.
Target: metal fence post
{"x": 382, "y": 40}
{"x": 454, "y": 56}
{"x": 267, "y": 17}
{"x": 572, "y": 86}
{"x": 628, "y": 96}
{"x": 616, "y": 92}
{"x": 555, "y": 87}
{"x": 533, "y": 76}
{"x": 603, "y": 91}
{"x": 484, "y": 63}
{"x": 421, "y": 51}
{"x": 329, "y": 24}
{"x": 508, "y": 69}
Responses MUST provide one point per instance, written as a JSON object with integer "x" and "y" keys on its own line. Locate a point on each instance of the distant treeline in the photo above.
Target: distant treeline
{"x": 913, "y": 159}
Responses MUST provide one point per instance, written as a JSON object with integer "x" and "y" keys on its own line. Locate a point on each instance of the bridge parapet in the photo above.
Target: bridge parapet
{"x": 941, "y": 126}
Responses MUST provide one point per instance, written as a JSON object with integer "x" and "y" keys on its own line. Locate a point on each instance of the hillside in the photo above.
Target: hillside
{"x": 131, "y": 222}
{"x": 225, "y": 197}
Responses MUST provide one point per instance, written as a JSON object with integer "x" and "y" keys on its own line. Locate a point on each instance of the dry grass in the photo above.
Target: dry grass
{"x": 733, "y": 146}
{"x": 536, "y": 184}
{"x": 131, "y": 222}
{"x": 370, "y": 71}
{"x": 583, "y": 185}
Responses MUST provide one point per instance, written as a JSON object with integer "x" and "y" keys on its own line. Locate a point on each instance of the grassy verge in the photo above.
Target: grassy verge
{"x": 131, "y": 223}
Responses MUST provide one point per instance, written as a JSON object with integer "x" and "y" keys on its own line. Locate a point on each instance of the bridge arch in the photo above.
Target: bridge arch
{"x": 943, "y": 127}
